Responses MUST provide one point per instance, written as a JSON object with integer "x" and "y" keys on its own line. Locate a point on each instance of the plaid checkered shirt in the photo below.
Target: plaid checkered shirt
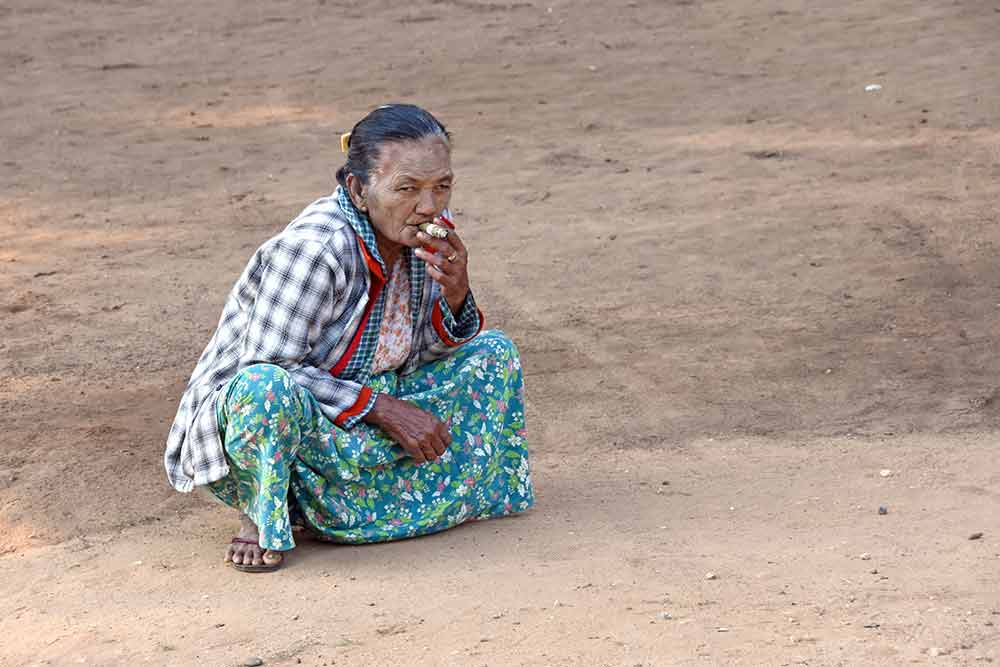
{"x": 303, "y": 299}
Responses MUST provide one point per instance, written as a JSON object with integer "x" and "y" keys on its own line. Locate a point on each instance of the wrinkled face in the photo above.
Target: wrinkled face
{"x": 410, "y": 184}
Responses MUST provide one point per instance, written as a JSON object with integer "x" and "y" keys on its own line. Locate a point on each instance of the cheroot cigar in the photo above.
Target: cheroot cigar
{"x": 437, "y": 231}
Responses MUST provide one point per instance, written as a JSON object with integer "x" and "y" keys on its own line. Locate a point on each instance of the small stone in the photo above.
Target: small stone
{"x": 866, "y": 556}
{"x": 976, "y": 536}
{"x": 885, "y": 472}
{"x": 711, "y": 575}
{"x": 592, "y": 68}
{"x": 935, "y": 652}
{"x": 138, "y": 562}
{"x": 883, "y": 510}
{"x": 722, "y": 629}
{"x": 873, "y": 88}
{"x": 664, "y": 616}
{"x": 253, "y": 661}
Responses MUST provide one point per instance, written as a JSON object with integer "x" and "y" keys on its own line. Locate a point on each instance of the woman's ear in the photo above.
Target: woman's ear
{"x": 357, "y": 192}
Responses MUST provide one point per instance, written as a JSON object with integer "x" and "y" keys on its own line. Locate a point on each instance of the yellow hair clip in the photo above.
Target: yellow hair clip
{"x": 345, "y": 142}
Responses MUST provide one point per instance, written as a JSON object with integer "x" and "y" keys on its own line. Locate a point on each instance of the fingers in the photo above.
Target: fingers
{"x": 457, "y": 244}
{"x": 440, "y": 446}
{"x": 455, "y": 283}
{"x": 416, "y": 453}
{"x": 441, "y": 275}
{"x": 439, "y": 440}
{"x": 435, "y": 260}
{"x": 441, "y": 246}
{"x": 420, "y": 433}
{"x": 445, "y": 436}
{"x": 435, "y": 444}
{"x": 446, "y": 251}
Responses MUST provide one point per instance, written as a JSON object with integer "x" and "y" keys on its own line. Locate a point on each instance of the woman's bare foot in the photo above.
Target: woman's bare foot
{"x": 245, "y": 550}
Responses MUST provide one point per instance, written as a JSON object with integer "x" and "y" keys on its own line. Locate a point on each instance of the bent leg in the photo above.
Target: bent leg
{"x": 262, "y": 418}
{"x": 479, "y": 392}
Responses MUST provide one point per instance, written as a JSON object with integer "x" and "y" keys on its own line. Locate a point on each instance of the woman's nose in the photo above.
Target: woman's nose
{"x": 425, "y": 205}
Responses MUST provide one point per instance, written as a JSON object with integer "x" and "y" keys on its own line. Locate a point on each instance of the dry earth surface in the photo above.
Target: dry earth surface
{"x": 742, "y": 286}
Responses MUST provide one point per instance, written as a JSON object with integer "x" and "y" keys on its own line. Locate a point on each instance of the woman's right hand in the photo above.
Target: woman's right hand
{"x": 422, "y": 435}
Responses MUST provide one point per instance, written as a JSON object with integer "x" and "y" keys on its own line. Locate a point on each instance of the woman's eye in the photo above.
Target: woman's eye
{"x": 444, "y": 186}
{"x": 406, "y": 188}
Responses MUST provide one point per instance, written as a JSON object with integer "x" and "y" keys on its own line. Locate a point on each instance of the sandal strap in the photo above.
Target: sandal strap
{"x": 241, "y": 540}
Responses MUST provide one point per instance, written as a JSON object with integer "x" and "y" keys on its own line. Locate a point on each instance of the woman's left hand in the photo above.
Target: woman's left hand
{"x": 448, "y": 266}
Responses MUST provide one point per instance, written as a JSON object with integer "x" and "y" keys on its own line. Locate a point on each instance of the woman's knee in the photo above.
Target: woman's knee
{"x": 496, "y": 343}
{"x": 259, "y": 384}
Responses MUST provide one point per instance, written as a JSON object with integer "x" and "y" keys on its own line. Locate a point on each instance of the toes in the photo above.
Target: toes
{"x": 243, "y": 554}
{"x": 239, "y": 553}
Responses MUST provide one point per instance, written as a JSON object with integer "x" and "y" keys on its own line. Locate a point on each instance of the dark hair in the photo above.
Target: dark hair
{"x": 390, "y": 122}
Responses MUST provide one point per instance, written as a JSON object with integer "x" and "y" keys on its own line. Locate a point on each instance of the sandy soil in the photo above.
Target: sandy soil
{"x": 742, "y": 286}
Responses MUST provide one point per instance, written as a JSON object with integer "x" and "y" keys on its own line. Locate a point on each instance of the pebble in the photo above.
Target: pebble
{"x": 253, "y": 661}
{"x": 935, "y": 652}
{"x": 711, "y": 575}
{"x": 664, "y": 616}
{"x": 866, "y": 556}
{"x": 873, "y": 88}
{"x": 976, "y": 536}
{"x": 883, "y": 510}
{"x": 885, "y": 472}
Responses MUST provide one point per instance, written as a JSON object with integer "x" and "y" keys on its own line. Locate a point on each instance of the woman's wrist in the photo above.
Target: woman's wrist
{"x": 377, "y": 413}
{"x": 454, "y": 304}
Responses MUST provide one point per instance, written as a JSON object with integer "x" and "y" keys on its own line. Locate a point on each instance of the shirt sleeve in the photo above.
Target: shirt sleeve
{"x": 442, "y": 332}
{"x": 453, "y": 330}
{"x": 301, "y": 286}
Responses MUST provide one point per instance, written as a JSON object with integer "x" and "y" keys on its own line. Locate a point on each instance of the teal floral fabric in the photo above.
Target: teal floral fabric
{"x": 290, "y": 465}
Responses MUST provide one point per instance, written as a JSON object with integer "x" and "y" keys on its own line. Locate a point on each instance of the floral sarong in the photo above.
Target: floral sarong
{"x": 289, "y": 464}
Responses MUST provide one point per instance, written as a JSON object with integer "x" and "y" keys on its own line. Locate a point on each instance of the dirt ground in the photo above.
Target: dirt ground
{"x": 742, "y": 285}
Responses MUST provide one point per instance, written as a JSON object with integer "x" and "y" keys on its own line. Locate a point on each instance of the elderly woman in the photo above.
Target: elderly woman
{"x": 348, "y": 388}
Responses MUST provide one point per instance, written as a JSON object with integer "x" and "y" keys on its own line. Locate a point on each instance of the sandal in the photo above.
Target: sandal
{"x": 263, "y": 567}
